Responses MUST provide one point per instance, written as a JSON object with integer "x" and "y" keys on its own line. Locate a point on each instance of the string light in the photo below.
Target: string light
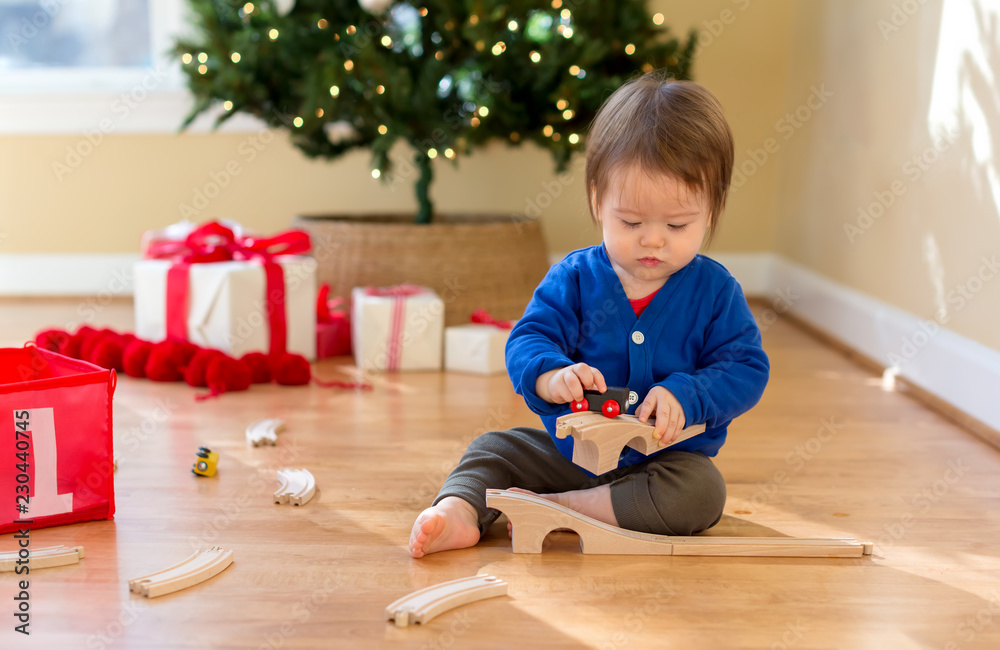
{"x": 573, "y": 138}
{"x": 555, "y": 137}
{"x": 319, "y": 112}
{"x": 450, "y": 25}
{"x": 568, "y": 32}
{"x": 565, "y": 14}
{"x": 380, "y": 89}
{"x": 657, "y": 19}
{"x": 512, "y": 25}
{"x": 227, "y": 105}
{"x": 483, "y": 111}
{"x": 568, "y": 114}
{"x": 348, "y": 65}
{"x": 186, "y": 58}
{"x": 647, "y": 67}
{"x": 499, "y": 48}
{"x": 351, "y": 29}
{"x": 480, "y": 46}
{"x": 474, "y": 19}
{"x": 432, "y": 153}
{"x": 515, "y": 136}
{"x": 423, "y": 11}
{"x": 535, "y": 57}
{"x": 630, "y": 49}
{"x": 439, "y": 55}
{"x": 387, "y": 41}
{"x": 202, "y": 69}
{"x": 273, "y": 34}
{"x": 383, "y": 129}
{"x": 547, "y": 131}
{"x": 449, "y": 153}
{"x": 235, "y": 56}
{"x": 248, "y": 8}
{"x": 574, "y": 70}
{"x": 322, "y": 23}
{"x": 376, "y": 173}
{"x": 556, "y": 4}
{"x": 202, "y": 57}
{"x": 297, "y": 122}
{"x": 562, "y": 104}
{"x": 474, "y": 121}
{"x": 334, "y": 91}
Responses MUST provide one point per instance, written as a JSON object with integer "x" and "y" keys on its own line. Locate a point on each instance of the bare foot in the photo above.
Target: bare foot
{"x": 593, "y": 502}
{"x": 452, "y": 523}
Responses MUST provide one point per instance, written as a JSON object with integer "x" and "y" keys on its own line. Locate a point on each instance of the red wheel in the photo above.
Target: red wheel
{"x": 611, "y": 409}
{"x": 582, "y": 405}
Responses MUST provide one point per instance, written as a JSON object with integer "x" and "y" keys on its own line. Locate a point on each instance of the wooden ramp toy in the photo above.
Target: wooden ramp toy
{"x": 42, "y": 558}
{"x": 265, "y": 432}
{"x": 598, "y": 441}
{"x": 198, "y": 568}
{"x": 423, "y": 605}
{"x": 532, "y": 518}
{"x": 297, "y": 486}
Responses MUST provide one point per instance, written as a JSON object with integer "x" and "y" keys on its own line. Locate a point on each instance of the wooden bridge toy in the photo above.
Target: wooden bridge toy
{"x": 296, "y": 487}
{"x": 532, "y": 518}
{"x": 423, "y": 605}
{"x": 264, "y": 432}
{"x": 598, "y": 441}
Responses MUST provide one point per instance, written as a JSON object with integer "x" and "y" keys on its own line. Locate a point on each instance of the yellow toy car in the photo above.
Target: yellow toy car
{"x": 206, "y": 463}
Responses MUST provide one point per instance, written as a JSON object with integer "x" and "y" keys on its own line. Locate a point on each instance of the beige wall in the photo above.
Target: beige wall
{"x": 927, "y": 247}
{"x": 133, "y": 183}
{"x": 796, "y": 185}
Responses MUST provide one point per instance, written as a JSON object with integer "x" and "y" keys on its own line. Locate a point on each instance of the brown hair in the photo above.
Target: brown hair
{"x": 667, "y": 126}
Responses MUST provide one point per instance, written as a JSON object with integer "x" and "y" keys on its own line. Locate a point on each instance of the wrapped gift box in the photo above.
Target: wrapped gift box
{"x": 475, "y": 348}
{"x": 227, "y": 304}
{"x": 397, "y": 328}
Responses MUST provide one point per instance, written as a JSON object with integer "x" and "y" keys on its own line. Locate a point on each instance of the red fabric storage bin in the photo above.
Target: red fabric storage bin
{"x": 55, "y": 440}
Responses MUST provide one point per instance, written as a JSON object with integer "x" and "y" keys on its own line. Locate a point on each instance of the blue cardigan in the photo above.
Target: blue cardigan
{"x": 697, "y": 339}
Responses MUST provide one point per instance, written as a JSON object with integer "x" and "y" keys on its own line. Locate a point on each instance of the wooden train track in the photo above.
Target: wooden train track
{"x": 198, "y": 568}
{"x": 598, "y": 441}
{"x": 264, "y": 432}
{"x": 42, "y": 558}
{"x": 296, "y": 487}
{"x": 423, "y": 605}
{"x": 532, "y": 518}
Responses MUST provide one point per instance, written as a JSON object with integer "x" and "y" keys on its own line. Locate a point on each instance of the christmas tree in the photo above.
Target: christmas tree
{"x": 446, "y": 77}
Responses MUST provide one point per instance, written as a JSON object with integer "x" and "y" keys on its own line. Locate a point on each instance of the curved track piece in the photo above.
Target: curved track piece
{"x": 265, "y": 432}
{"x": 423, "y": 605}
{"x": 42, "y": 558}
{"x": 295, "y": 486}
{"x": 532, "y": 518}
{"x": 598, "y": 441}
{"x": 197, "y": 568}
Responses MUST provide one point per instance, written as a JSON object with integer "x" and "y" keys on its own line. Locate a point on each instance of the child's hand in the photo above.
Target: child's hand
{"x": 567, "y": 384}
{"x": 668, "y": 411}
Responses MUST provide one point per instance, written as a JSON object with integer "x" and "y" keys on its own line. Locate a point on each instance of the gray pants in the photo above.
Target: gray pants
{"x": 672, "y": 493}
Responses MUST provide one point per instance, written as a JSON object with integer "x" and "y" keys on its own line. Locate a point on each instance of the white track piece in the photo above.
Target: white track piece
{"x": 42, "y": 558}
{"x": 198, "y": 568}
{"x": 598, "y": 440}
{"x": 296, "y": 486}
{"x": 532, "y": 518}
{"x": 423, "y": 605}
{"x": 265, "y": 432}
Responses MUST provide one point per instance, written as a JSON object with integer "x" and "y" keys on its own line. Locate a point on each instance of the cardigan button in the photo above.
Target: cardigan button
{"x": 633, "y": 397}
{"x": 638, "y": 338}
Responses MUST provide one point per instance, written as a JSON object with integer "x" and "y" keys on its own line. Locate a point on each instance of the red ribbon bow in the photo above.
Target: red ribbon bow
{"x": 484, "y": 317}
{"x": 213, "y": 242}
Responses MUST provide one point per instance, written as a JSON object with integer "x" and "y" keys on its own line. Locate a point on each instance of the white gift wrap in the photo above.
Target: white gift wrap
{"x": 420, "y": 333}
{"x": 476, "y": 348}
{"x": 226, "y": 305}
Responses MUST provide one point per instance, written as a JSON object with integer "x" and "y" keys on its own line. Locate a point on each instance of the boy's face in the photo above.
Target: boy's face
{"x": 653, "y": 226}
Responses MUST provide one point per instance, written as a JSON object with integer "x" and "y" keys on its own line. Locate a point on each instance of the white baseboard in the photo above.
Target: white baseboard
{"x": 98, "y": 274}
{"x": 958, "y": 370}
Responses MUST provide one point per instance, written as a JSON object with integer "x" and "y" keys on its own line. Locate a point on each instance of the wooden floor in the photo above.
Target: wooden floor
{"x": 827, "y": 452}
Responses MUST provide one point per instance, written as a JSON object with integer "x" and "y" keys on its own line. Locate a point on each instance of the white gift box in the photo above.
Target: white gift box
{"x": 476, "y": 348}
{"x": 227, "y": 305}
{"x": 397, "y": 332}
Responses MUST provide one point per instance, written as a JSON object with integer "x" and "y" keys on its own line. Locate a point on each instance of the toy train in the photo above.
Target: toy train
{"x": 206, "y": 463}
{"x": 611, "y": 403}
